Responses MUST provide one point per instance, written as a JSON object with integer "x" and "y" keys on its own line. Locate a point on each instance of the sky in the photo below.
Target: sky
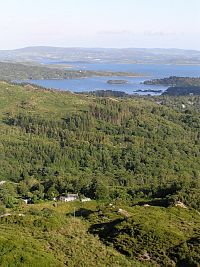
{"x": 100, "y": 23}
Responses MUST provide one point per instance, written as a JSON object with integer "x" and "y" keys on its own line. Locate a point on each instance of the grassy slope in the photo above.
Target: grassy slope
{"x": 45, "y": 236}
{"x": 50, "y": 236}
{"x": 153, "y": 230}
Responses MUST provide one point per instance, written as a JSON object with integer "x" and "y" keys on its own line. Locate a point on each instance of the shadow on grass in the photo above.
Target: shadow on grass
{"x": 85, "y": 213}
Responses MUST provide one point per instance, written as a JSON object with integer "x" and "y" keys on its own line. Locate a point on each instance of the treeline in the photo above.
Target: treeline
{"x": 106, "y": 93}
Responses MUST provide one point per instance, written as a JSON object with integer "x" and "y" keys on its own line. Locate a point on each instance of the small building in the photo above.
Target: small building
{"x": 69, "y": 197}
{"x": 85, "y": 199}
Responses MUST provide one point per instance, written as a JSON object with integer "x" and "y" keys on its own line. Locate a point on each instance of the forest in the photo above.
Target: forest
{"x": 135, "y": 157}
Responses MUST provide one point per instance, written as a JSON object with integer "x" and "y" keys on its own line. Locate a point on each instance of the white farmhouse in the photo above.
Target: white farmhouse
{"x": 69, "y": 197}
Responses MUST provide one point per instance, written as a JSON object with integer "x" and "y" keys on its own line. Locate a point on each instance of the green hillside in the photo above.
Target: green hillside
{"x": 77, "y": 143}
{"x": 46, "y": 237}
{"x": 140, "y": 154}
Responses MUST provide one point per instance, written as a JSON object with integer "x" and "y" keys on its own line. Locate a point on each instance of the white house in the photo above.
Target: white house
{"x": 69, "y": 197}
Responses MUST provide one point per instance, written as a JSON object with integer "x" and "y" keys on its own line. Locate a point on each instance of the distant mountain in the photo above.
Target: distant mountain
{"x": 45, "y": 54}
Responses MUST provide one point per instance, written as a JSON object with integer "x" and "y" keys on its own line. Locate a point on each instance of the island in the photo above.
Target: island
{"x": 175, "y": 81}
{"x": 117, "y": 81}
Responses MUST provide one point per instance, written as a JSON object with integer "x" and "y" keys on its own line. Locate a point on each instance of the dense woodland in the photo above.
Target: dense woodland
{"x": 128, "y": 151}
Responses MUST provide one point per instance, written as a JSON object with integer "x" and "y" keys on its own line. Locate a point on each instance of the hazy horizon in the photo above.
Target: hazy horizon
{"x": 93, "y": 47}
{"x": 100, "y": 24}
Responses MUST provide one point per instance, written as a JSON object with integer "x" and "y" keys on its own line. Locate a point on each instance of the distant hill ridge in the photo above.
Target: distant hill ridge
{"x": 122, "y": 55}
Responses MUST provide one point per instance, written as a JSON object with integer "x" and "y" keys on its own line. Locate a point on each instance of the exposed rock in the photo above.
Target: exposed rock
{"x": 144, "y": 257}
{"x": 123, "y": 212}
{"x": 180, "y": 204}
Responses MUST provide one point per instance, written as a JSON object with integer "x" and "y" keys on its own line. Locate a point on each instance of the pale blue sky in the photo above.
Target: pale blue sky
{"x": 100, "y": 23}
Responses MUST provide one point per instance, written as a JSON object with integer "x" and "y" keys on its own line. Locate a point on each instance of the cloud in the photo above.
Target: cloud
{"x": 143, "y": 33}
{"x": 122, "y": 32}
{"x": 158, "y": 33}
